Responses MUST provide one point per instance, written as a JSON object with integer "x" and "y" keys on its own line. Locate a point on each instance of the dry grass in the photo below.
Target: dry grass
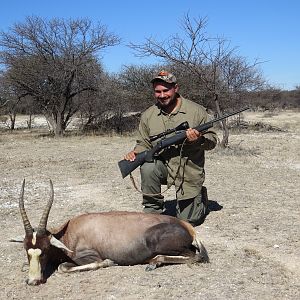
{"x": 252, "y": 233}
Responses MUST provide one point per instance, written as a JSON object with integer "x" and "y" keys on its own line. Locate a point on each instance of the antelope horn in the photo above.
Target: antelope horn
{"x": 43, "y": 222}
{"x": 26, "y": 223}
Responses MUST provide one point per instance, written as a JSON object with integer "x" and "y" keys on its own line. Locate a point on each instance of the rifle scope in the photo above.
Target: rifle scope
{"x": 183, "y": 126}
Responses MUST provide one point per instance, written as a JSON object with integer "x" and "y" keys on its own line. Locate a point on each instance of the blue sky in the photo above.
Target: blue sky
{"x": 265, "y": 29}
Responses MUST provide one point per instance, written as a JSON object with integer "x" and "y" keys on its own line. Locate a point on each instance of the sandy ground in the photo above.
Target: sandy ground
{"x": 252, "y": 233}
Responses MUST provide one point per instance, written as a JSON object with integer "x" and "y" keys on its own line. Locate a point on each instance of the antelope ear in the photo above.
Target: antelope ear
{"x": 58, "y": 244}
{"x": 18, "y": 239}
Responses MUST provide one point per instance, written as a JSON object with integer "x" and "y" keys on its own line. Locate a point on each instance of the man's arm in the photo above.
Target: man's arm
{"x": 142, "y": 143}
{"x": 143, "y": 140}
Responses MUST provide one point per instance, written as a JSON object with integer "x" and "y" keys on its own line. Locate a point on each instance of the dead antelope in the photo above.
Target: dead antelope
{"x": 97, "y": 240}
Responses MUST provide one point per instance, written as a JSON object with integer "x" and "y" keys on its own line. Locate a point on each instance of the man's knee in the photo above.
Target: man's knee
{"x": 152, "y": 177}
{"x": 154, "y": 170}
{"x": 147, "y": 169}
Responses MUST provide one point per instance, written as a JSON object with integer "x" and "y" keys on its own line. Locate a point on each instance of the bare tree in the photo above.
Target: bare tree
{"x": 211, "y": 59}
{"x": 111, "y": 109}
{"x": 55, "y": 62}
{"x": 98, "y": 105}
{"x": 136, "y": 81}
{"x": 11, "y": 98}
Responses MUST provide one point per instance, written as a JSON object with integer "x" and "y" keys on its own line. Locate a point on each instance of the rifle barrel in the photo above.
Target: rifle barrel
{"x": 229, "y": 114}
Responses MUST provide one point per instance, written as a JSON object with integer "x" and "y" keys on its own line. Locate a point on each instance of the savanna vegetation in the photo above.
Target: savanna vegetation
{"x": 54, "y": 68}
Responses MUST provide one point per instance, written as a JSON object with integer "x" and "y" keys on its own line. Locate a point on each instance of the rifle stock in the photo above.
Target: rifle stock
{"x": 126, "y": 166}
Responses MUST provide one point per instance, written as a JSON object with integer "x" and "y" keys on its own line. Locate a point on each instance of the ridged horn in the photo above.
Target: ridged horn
{"x": 43, "y": 222}
{"x": 26, "y": 223}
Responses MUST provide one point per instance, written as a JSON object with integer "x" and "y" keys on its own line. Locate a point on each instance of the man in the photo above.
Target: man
{"x": 181, "y": 165}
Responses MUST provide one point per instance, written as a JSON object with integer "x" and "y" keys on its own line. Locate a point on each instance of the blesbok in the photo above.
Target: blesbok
{"x": 97, "y": 240}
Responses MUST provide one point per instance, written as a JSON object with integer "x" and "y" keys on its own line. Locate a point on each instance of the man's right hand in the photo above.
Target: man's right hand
{"x": 130, "y": 156}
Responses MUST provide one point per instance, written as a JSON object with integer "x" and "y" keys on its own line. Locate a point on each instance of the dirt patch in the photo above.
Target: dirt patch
{"x": 252, "y": 232}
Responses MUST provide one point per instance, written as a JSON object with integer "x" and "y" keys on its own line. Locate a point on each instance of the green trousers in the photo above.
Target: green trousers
{"x": 153, "y": 176}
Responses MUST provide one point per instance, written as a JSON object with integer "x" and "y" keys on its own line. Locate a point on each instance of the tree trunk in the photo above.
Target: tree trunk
{"x": 12, "y": 120}
{"x": 224, "y": 142}
{"x": 58, "y": 130}
{"x": 56, "y": 125}
{"x": 29, "y": 122}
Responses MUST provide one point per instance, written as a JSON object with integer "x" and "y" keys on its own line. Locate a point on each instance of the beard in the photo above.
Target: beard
{"x": 165, "y": 103}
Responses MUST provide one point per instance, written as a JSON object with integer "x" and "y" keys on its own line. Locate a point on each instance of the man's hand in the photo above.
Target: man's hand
{"x": 193, "y": 135}
{"x": 130, "y": 156}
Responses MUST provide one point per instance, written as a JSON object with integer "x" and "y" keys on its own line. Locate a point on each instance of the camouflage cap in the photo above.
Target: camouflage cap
{"x": 165, "y": 76}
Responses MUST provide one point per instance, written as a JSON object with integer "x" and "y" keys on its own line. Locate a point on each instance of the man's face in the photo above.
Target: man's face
{"x": 165, "y": 93}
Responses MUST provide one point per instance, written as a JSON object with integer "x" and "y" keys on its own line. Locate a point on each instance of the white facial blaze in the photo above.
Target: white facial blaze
{"x": 33, "y": 238}
{"x": 35, "y": 272}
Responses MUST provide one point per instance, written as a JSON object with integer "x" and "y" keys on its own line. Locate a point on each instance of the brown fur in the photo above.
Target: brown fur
{"x": 98, "y": 240}
{"x": 122, "y": 238}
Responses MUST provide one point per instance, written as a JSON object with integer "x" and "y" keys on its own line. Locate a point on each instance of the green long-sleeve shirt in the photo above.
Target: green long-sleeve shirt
{"x": 189, "y": 165}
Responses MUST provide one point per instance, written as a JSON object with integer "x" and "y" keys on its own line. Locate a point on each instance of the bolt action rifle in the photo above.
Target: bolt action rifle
{"x": 183, "y": 126}
{"x": 126, "y": 166}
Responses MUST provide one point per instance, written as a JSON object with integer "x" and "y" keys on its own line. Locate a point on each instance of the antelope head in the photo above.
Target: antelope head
{"x": 38, "y": 243}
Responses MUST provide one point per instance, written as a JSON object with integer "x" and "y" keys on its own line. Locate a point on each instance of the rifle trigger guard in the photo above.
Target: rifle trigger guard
{"x": 149, "y": 157}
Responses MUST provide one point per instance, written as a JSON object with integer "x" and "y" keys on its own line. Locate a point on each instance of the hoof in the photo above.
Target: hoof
{"x": 60, "y": 269}
{"x": 150, "y": 267}
{"x": 63, "y": 268}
